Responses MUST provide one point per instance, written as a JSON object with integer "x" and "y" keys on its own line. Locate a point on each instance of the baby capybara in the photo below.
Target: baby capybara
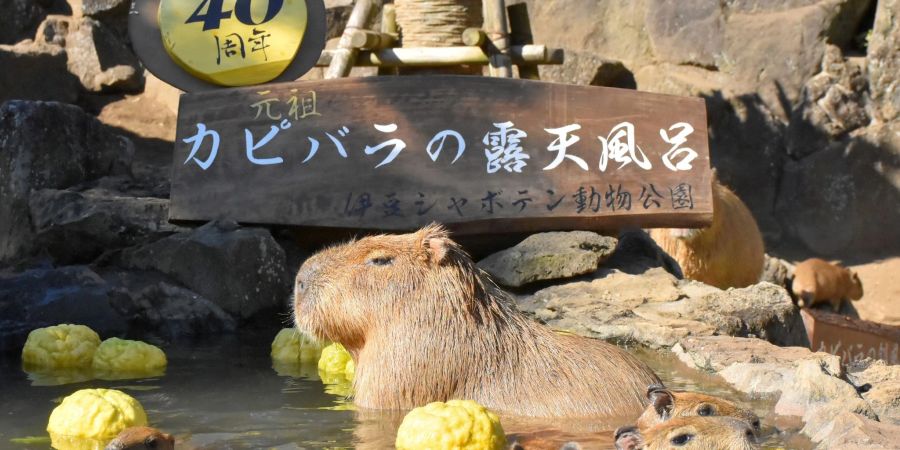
{"x": 666, "y": 404}
{"x": 142, "y": 438}
{"x": 690, "y": 433}
{"x": 729, "y": 253}
{"x": 424, "y": 324}
{"x": 818, "y": 281}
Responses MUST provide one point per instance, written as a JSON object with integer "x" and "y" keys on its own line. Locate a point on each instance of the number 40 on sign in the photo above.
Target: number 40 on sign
{"x": 233, "y": 42}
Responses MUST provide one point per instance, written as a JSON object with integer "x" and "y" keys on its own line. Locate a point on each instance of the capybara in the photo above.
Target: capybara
{"x": 690, "y": 433}
{"x": 142, "y": 438}
{"x": 818, "y": 281}
{"x": 424, "y": 324}
{"x": 666, "y": 404}
{"x": 729, "y": 253}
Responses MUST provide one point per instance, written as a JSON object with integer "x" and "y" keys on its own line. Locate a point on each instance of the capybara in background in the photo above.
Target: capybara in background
{"x": 818, "y": 281}
{"x": 666, "y": 404}
{"x": 730, "y": 253}
{"x": 690, "y": 433}
{"x": 142, "y": 438}
{"x": 424, "y": 324}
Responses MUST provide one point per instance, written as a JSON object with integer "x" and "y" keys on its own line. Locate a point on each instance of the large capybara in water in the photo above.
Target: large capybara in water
{"x": 690, "y": 433}
{"x": 729, "y": 253}
{"x": 424, "y": 324}
{"x": 818, "y": 281}
{"x": 666, "y": 404}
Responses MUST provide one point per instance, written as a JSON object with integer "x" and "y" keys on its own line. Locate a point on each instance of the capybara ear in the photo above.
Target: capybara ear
{"x": 662, "y": 401}
{"x": 436, "y": 241}
{"x": 629, "y": 438}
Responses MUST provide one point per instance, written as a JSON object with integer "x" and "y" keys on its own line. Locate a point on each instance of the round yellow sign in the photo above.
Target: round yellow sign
{"x": 233, "y": 42}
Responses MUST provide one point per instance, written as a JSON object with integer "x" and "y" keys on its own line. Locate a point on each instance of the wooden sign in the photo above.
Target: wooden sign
{"x": 396, "y": 153}
{"x": 851, "y": 339}
{"x": 200, "y": 45}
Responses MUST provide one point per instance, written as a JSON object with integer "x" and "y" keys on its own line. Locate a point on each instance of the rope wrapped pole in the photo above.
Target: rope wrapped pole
{"x": 346, "y": 53}
{"x": 498, "y": 31}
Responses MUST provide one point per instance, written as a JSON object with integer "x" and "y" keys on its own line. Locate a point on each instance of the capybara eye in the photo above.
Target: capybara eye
{"x": 150, "y": 442}
{"x": 681, "y": 439}
{"x": 756, "y": 425}
{"x": 706, "y": 410}
{"x": 381, "y": 261}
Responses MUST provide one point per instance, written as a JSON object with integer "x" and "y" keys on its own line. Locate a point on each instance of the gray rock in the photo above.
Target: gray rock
{"x": 879, "y": 384}
{"x": 101, "y": 59}
{"x": 34, "y": 138}
{"x": 99, "y": 8}
{"x": 549, "y": 256}
{"x": 169, "y": 312}
{"x": 844, "y": 425}
{"x": 657, "y": 310}
{"x": 837, "y": 198}
{"x": 637, "y": 253}
{"x": 76, "y": 227}
{"x": 716, "y": 353}
{"x": 690, "y": 32}
{"x": 242, "y": 270}
{"x": 44, "y": 297}
{"x": 36, "y": 71}
{"x": 833, "y": 103}
{"x": 883, "y": 61}
{"x": 777, "y": 271}
{"x": 19, "y": 20}
{"x": 53, "y": 30}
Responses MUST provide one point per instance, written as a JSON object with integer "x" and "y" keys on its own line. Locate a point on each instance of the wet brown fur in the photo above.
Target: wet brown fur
{"x": 730, "y": 253}
{"x": 431, "y": 326}
{"x": 142, "y": 438}
{"x": 666, "y": 405}
{"x": 705, "y": 433}
{"x": 818, "y": 281}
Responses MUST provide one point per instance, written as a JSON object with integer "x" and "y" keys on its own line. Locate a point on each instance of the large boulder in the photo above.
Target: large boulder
{"x": 35, "y": 71}
{"x": 750, "y": 59}
{"x": 658, "y": 310}
{"x": 43, "y": 297}
{"x": 879, "y": 384}
{"x": 35, "y": 138}
{"x": 832, "y": 105}
{"x": 76, "y": 227}
{"x": 19, "y": 19}
{"x": 884, "y": 61}
{"x": 101, "y": 58}
{"x": 549, "y": 256}
{"x": 167, "y": 312}
{"x": 839, "y": 197}
{"x": 242, "y": 270}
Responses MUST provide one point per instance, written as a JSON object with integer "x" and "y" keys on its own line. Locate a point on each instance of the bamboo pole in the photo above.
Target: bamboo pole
{"x": 371, "y": 40}
{"x": 474, "y": 37}
{"x": 497, "y": 30}
{"x": 447, "y": 56}
{"x": 345, "y": 54}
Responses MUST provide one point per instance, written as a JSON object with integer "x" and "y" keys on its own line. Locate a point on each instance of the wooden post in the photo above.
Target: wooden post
{"x": 389, "y": 26}
{"x": 345, "y": 54}
{"x": 520, "y": 34}
{"x": 497, "y": 30}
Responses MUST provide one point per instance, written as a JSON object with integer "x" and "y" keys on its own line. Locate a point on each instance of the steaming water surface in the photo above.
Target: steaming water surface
{"x": 229, "y": 396}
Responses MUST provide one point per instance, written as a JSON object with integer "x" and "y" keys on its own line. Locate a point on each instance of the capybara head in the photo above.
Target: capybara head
{"x": 690, "y": 433}
{"x": 855, "y": 290}
{"x": 142, "y": 438}
{"x": 341, "y": 291}
{"x": 666, "y": 404}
